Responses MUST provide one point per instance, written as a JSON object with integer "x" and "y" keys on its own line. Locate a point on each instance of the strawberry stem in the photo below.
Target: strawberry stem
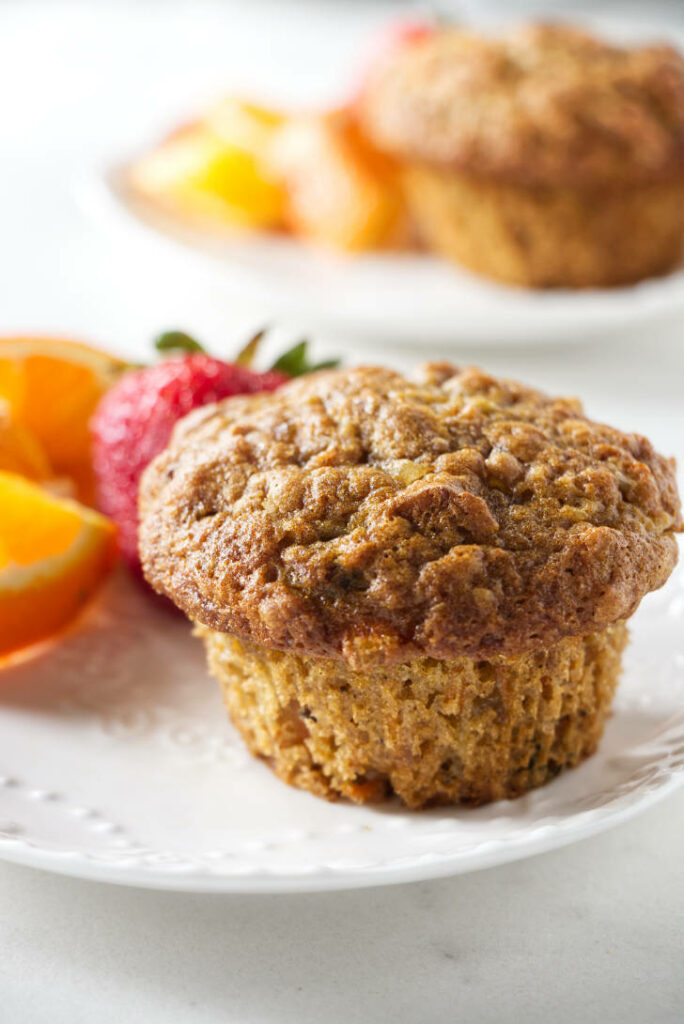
{"x": 294, "y": 363}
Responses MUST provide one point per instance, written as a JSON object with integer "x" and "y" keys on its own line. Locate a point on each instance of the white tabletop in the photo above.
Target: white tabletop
{"x": 591, "y": 933}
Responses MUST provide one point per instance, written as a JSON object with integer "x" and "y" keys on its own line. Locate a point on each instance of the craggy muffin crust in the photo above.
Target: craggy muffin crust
{"x": 361, "y": 515}
{"x": 542, "y": 105}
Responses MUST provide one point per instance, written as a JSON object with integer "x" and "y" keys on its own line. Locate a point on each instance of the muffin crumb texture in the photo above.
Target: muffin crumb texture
{"x": 431, "y": 732}
{"x": 363, "y": 516}
{"x": 548, "y": 236}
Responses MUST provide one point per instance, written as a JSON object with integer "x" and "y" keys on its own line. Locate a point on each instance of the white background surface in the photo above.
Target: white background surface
{"x": 591, "y": 933}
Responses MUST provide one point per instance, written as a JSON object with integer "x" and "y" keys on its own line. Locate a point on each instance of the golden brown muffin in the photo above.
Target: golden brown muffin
{"x": 415, "y": 586}
{"x": 542, "y": 157}
{"x": 458, "y": 731}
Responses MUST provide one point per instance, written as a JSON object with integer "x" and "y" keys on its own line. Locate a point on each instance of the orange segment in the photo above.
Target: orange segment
{"x": 20, "y": 452}
{"x": 243, "y": 125}
{"x": 54, "y": 554}
{"x": 340, "y": 193}
{"x": 52, "y": 387}
{"x": 214, "y": 171}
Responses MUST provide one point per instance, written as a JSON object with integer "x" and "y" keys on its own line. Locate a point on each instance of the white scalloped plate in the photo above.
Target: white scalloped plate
{"x": 117, "y": 763}
{"x": 402, "y": 298}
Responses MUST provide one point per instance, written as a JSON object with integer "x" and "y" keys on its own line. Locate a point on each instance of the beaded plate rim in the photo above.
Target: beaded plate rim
{"x": 94, "y": 696}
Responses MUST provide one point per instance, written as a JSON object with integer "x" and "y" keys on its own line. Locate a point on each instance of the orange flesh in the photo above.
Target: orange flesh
{"x": 53, "y": 557}
{"x": 20, "y": 452}
{"x": 33, "y": 529}
{"x": 54, "y": 397}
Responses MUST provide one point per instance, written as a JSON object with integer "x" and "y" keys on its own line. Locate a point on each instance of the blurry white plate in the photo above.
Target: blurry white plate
{"x": 401, "y": 298}
{"x": 117, "y": 763}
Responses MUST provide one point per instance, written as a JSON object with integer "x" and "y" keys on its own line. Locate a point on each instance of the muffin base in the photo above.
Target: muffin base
{"x": 542, "y": 236}
{"x": 432, "y": 732}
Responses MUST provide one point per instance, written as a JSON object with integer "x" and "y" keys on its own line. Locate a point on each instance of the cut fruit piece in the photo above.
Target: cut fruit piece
{"x": 243, "y": 125}
{"x": 387, "y": 43}
{"x": 52, "y": 387}
{"x": 20, "y": 452}
{"x": 340, "y": 192}
{"x": 54, "y": 554}
{"x": 201, "y": 174}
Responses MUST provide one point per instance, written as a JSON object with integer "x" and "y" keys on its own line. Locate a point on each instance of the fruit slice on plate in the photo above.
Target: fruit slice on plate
{"x": 243, "y": 125}
{"x": 20, "y": 452}
{"x": 54, "y": 554}
{"x": 340, "y": 193}
{"x": 51, "y": 387}
{"x": 214, "y": 170}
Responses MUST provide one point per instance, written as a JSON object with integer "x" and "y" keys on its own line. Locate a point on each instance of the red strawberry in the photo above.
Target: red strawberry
{"x": 134, "y": 419}
{"x": 389, "y": 40}
{"x": 405, "y": 33}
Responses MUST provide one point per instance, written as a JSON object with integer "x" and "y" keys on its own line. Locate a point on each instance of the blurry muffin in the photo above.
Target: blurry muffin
{"x": 542, "y": 157}
{"x": 416, "y": 587}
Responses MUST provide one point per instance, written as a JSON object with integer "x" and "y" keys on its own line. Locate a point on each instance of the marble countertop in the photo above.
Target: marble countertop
{"x": 590, "y": 933}
{"x": 594, "y": 932}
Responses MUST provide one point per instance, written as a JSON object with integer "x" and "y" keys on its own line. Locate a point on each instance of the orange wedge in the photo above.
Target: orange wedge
{"x": 20, "y": 452}
{"x": 52, "y": 387}
{"x": 243, "y": 125}
{"x": 54, "y": 554}
{"x": 200, "y": 174}
{"x": 340, "y": 193}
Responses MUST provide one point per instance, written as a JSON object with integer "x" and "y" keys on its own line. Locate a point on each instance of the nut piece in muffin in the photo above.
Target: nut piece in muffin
{"x": 410, "y": 586}
{"x": 542, "y": 157}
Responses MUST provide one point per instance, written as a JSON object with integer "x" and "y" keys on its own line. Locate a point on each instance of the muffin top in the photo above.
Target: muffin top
{"x": 545, "y": 104}
{"x": 362, "y": 515}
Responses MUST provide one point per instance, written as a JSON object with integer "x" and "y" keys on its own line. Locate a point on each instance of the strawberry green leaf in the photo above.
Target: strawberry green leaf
{"x": 177, "y": 341}
{"x": 295, "y": 362}
{"x": 245, "y": 356}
